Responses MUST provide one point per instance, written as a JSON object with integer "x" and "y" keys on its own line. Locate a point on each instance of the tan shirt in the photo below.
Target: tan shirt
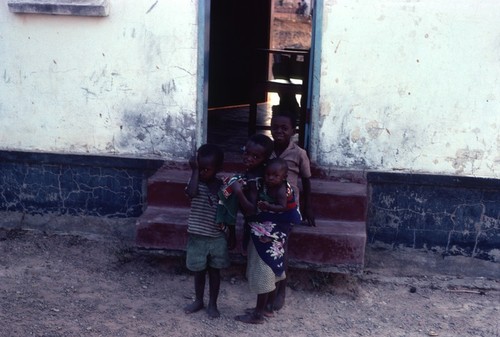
{"x": 298, "y": 165}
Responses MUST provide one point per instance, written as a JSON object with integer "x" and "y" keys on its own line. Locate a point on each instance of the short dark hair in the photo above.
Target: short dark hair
{"x": 211, "y": 150}
{"x": 264, "y": 141}
{"x": 288, "y": 115}
{"x": 280, "y": 162}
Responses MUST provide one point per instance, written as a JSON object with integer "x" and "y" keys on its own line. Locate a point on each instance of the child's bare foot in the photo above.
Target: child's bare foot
{"x": 250, "y": 318}
{"x": 279, "y": 300}
{"x": 197, "y": 305}
{"x": 267, "y": 313}
{"x": 212, "y": 311}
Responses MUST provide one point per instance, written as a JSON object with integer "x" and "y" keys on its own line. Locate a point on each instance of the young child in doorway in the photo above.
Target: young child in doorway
{"x": 282, "y": 131}
{"x": 206, "y": 250}
{"x": 277, "y": 212}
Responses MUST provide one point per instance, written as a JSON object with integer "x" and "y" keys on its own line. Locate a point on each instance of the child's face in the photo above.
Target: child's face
{"x": 281, "y": 129}
{"x": 207, "y": 168}
{"x": 274, "y": 175}
{"x": 253, "y": 155}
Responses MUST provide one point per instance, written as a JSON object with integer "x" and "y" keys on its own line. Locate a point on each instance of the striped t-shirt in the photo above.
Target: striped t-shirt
{"x": 203, "y": 210}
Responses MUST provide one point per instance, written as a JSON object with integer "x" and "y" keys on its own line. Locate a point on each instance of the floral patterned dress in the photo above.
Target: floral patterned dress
{"x": 269, "y": 231}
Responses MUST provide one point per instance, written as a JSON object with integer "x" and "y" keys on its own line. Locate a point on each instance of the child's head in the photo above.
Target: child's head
{"x": 210, "y": 160}
{"x": 282, "y": 129}
{"x": 276, "y": 172}
{"x": 257, "y": 151}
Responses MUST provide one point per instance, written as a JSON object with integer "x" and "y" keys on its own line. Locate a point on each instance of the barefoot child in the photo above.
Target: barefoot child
{"x": 269, "y": 233}
{"x": 282, "y": 131}
{"x": 207, "y": 247}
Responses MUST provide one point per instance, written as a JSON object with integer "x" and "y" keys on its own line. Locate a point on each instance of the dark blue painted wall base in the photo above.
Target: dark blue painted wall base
{"x": 41, "y": 183}
{"x": 445, "y": 214}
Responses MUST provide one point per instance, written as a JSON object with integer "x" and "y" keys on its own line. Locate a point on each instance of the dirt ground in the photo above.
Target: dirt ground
{"x": 291, "y": 31}
{"x": 52, "y": 285}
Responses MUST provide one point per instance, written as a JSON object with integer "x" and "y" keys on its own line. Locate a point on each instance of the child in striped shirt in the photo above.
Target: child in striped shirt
{"x": 207, "y": 250}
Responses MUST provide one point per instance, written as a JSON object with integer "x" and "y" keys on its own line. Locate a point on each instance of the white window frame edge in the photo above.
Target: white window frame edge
{"x": 60, "y": 7}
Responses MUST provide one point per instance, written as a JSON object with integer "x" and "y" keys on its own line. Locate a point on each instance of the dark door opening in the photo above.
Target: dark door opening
{"x": 237, "y": 30}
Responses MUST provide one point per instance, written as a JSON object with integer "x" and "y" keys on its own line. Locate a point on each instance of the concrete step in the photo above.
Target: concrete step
{"x": 333, "y": 245}
{"x": 339, "y": 200}
{"x": 330, "y": 199}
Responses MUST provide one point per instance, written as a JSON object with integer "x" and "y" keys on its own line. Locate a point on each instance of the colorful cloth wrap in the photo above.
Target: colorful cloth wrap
{"x": 227, "y": 208}
{"x": 269, "y": 233}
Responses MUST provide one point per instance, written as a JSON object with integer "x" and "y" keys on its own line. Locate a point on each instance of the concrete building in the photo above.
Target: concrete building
{"x": 406, "y": 92}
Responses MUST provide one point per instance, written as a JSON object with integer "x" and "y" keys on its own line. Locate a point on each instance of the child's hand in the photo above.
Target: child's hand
{"x": 237, "y": 186}
{"x": 308, "y": 217}
{"x": 263, "y": 205}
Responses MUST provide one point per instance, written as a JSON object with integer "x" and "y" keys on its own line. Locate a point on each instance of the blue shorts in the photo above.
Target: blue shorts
{"x": 204, "y": 251}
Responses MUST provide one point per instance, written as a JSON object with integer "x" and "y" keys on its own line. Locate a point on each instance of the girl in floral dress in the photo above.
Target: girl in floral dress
{"x": 277, "y": 212}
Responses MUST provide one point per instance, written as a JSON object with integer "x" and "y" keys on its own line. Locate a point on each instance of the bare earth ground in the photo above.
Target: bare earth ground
{"x": 54, "y": 285}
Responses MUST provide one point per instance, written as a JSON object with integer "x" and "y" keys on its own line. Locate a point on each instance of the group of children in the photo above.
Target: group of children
{"x": 267, "y": 194}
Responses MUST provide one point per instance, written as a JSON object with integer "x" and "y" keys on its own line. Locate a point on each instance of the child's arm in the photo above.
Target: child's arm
{"x": 247, "y": 206}
{"x": 192, "y": 186}
{"x": 307, "y": 209}
{"x": 281, "y": 201}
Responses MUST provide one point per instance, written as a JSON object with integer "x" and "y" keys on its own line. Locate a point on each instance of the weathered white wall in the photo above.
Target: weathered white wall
{"x": 410, "y": 85}
{"x": 403, "y": 85}
{"x": 123, "y": 84}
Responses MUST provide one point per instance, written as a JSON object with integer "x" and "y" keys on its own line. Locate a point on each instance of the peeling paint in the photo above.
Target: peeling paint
{"x": 409, "y": 75}
{"x": 158, "y": 133}
{"x": 356, "y": 136}
{"x": 374, "y": 129}
{"x": 466, "y": 159}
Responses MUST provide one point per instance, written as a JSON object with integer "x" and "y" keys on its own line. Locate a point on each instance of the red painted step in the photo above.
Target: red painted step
{"x": 330, "y": 199}
{"x": 336, "y": 244}
{"x": 330, "y": 246}
{"x": 333, "y": 245}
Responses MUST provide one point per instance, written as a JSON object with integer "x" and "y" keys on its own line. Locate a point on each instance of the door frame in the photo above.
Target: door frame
{"x": 312, "y": 138}
{"x": 201, "y": 125}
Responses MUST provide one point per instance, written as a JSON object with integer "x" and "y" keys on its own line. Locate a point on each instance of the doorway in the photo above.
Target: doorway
{"x": 237, "y": 30}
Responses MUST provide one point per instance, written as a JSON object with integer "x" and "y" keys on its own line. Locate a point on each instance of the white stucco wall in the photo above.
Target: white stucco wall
{"x": 123, "y": 84}
{"x": 408, "y": 86}
{"x": 411, "y": 86}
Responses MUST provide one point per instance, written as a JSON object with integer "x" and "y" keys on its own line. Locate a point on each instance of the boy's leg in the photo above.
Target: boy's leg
{"x": 199, "y": 289}
{"x": 214, "y": 287}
